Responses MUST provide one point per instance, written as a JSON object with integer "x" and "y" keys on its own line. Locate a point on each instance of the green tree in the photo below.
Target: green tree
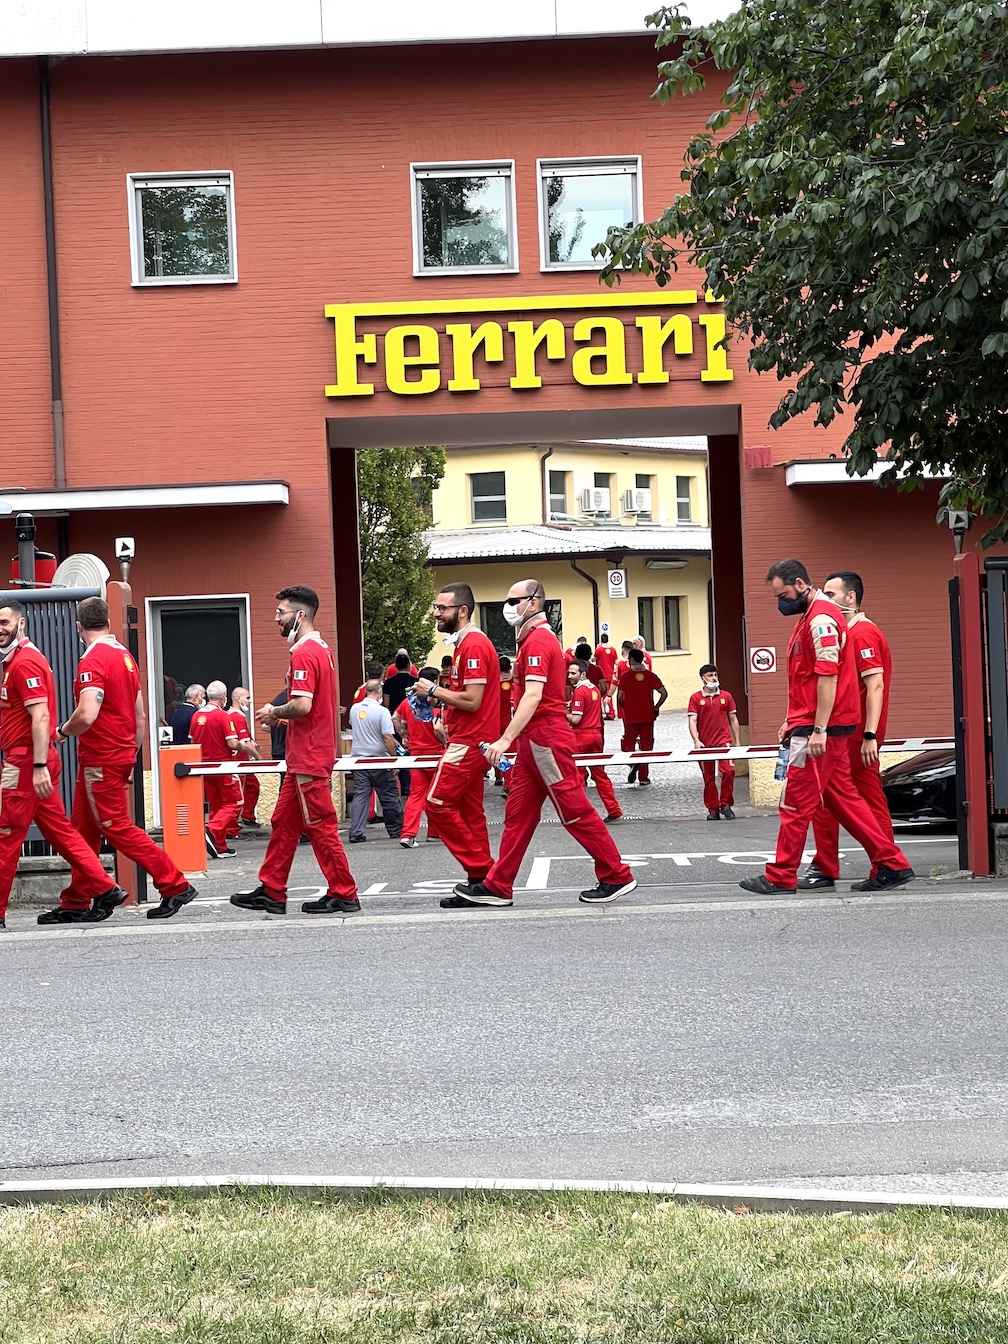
{"x": 395, "y": 487}
{"x": 847, "y": 200}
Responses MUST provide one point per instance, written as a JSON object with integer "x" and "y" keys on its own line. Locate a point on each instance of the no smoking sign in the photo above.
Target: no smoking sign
{"x": 763, "y": 659}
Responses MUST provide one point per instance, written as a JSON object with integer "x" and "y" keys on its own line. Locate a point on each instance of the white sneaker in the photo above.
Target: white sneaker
{"x": 409, "y": 842}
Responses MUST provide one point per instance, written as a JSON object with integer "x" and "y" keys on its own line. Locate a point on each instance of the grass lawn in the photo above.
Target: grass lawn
{"x": 265, "y": 1267}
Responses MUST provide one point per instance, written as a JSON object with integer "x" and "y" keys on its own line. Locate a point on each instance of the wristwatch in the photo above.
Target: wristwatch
{"x": 869, "y": 737}
{"x": 817, "y": 729}
{"x": 40, "y": 765}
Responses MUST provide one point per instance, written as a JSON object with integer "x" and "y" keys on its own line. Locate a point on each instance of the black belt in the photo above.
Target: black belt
{"x": 838, "y": 730}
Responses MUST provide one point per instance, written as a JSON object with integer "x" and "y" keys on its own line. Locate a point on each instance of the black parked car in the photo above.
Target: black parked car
{"x": 922, "y": 788}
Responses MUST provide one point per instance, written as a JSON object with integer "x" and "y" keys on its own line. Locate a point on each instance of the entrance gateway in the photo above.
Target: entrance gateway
{"x": 464, "y": 372}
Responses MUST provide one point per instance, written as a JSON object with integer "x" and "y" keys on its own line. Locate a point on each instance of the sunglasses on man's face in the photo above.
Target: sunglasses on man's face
{"x": 513, "y": 601}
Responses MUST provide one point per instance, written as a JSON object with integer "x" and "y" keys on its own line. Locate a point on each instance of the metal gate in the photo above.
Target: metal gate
{"x": 51, "y": 624}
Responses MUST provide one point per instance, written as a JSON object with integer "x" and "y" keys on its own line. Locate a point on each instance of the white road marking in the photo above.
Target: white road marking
{"x": 791, "y": 905}
{"x": 375, "y": 889}
{"x": 538, "y": 878}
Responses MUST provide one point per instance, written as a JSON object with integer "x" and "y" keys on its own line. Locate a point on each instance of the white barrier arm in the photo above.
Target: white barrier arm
{"x": 679, "y": 756}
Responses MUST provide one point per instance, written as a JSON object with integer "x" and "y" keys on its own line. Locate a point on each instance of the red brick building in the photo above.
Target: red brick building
{"x": 417, "y": 194}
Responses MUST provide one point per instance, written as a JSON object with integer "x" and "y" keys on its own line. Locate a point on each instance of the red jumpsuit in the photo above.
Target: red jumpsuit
{"x": 211, "y": 728}
{"x": 606, "y": 657}
{"x": 27, "y": 681}
{"x": 305, "y": 804}
{"x": 637, "y": 687}
{"x": 422, "y": 741}
{"x": 587, "y": 702}
{"x": 714, "y": 731}
{"x": 455, "y": 797}
{"x": 818, "y": 647}
{"x": 545, "y": 768}
{"x": 870, "y": 652}
{"x": 107, "y": 753}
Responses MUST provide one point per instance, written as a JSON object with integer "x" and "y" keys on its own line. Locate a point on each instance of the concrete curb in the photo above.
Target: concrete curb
{"x": 752, "y": 1198}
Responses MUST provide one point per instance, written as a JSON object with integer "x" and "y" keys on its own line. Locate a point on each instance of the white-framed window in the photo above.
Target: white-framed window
{"x": 488, "y": 497}
{"x": 558, "y": 489}
{"x": 182, "y": 228}
{"x": 463, "y": 218}
{"x": 673, "y": 623}
{"x": 579, "y": 201}
{"x": 684, "y": 499}
{"x": 642, "y": 481}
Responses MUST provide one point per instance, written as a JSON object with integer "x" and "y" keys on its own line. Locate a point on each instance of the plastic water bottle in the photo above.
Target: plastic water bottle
{"x": 503, "y": 765}
{"x": 780, "y": 769}
{"x": 400, "y": 750}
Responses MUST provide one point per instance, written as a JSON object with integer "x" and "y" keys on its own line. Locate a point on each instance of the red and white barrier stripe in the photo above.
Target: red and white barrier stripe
{"x": 605, "y": 758}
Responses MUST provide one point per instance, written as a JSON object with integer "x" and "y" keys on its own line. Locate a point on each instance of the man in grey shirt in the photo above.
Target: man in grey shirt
{"x": 373, "y": 735}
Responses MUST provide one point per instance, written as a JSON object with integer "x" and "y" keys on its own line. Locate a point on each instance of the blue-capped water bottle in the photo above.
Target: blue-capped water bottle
{"x": 503, "y": 765}
{"x": 400, "y": 750}
{"x": 780, "y": 769}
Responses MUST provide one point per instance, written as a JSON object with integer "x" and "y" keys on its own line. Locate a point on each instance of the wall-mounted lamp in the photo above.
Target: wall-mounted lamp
{"x": 665, "y": 564}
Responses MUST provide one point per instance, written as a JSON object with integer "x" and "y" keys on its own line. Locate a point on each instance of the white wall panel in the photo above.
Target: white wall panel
{"x": 41, "y": 27}
{"x": 200, "y": 25}
{"x": 344, "y": 21}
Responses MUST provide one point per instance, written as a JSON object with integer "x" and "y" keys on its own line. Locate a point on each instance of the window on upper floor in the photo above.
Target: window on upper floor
{"x": 182, "y": 228}
{"x": 488, "y": 497}
{"x": 558, "y": 488}
{"x": 645, "y": 483}
{"x": 580, "y": 200}
{"x": 463, "y": 218}
{"x": 684, "y": 499}
{"x": 673, "y": 622}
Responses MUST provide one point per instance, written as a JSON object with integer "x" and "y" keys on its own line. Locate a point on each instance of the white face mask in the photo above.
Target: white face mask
{"x": 712, "y": 687}
{"x": 292, "y": 633}
{"x": 512, "y": 614}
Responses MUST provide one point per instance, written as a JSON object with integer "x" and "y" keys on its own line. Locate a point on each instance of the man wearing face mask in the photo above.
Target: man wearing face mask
{"x": 873, "y": 665}
{"x": 31, "y": 768}
{"x": 822, "y": 713}
{"x": 195, "y": 698}
{"x": 305, "y": 802}
{"x": 713, "y": 722}
{"x": 544, "y": 766}
{"x": 471, "y": 715}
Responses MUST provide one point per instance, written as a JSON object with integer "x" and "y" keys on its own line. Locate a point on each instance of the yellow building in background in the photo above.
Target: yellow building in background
{"x": 575, "y": 515}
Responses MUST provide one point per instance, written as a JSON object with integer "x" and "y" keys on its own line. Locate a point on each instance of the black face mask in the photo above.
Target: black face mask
{"x": 793, "y": 606}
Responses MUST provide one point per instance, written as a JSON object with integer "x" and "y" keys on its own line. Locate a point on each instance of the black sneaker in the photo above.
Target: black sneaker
{"x": 171, "y": 905}
{"x": 885, "y": 879}
{"x": 251, "y": 825}
{"x": 632, "y": 775}
{"x": 814, "y": 880}
{"x": 358, "y": 839}
{"x": 331, "y": 905}
{"x": 103, "y": 905}
{"x": 607, "y": 891}
{"x": 63, "y": 916}
{"x": 257, "y": 899}
{"x": 211, "y": 848}
{"x": 713, "y": 816}
{"x": 643, "y": 783}
{"x": 473, "y": 895}
{"x": 762, "y": 886}
{"x": 728, "y": 814}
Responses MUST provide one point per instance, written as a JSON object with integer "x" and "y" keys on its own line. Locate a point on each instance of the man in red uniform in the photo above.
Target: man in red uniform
{"x": 420, "y": 737}
{"x": 393, "y": 666}
{"x": 869, "y": 650}
{"x": 544, "y": 766}
{"x": 713, "y": 722}
{"x": 607, "y": 657}
{"x": 31, "y": 768}
{"x": 213, "y": 728}
{"x": 822, "y": 713}
{"x": 471, "y": 716}
{"x": 584, "y": 714}
{"x": 622, "y": 667}
{"x": 305, "y": 802}
{"x": 249, "y": 784}
{"x": 638, "y": 643}
{"x": 635, "y": 696}
{"x": 108, "y": 722}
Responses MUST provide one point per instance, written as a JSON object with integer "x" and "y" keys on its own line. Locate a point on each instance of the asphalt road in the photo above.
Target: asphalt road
{"x": 689, "y": 1032}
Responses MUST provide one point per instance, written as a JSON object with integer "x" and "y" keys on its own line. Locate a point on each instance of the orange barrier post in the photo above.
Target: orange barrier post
{"x": 182, "y": 809}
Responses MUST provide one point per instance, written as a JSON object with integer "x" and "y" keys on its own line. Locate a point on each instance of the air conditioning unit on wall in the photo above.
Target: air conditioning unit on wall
{"x": 637, "y": 501}
{"x": 595, "y": 499}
